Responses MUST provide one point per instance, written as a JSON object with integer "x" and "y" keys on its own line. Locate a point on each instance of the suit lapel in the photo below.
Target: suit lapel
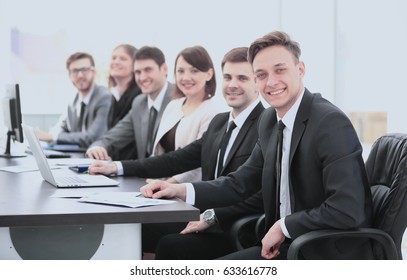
{"x": 300, "y": 126}
{"x": 300, "y": 122}
{"x": 142, "y": 136}
{"x": 164, "y": 104}
{"x": 243, "y": 132}
{"x": 269, "y": 180}
{"x": 73, "y": 115}
{"x": 216, "y": 145}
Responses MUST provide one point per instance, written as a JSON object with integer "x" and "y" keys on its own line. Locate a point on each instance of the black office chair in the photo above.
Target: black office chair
{"x": 245, "y": 232}
{"x": 387, "y": 173}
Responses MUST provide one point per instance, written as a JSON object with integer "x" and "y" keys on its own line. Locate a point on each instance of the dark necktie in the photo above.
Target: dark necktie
{"x": 81, "y": 115}
{"x": 223, "y": 145}
{"x": 150, "y": 133}
{"x": 281, "y": 127}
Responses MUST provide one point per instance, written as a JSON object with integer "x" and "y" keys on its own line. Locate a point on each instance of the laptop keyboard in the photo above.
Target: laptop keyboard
{"x": 70, "y": 180}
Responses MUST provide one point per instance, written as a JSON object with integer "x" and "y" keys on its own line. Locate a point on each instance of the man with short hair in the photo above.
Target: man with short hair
{"x": 86, "y": 118}
{"x": 150, "y": 70}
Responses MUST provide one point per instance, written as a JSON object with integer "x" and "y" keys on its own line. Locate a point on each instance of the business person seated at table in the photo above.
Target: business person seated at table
{"x": 241, "y": 94}
{"x": 123, "y": 86}
{"x": 308, "y": 162}
{"x": 142, "y": 121}
{"x": 187, "y": 117}
{"x": 86, "y": 118}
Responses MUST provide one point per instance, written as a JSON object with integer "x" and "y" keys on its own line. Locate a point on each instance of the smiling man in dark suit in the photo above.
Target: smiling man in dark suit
{"x": 323, "y": 180}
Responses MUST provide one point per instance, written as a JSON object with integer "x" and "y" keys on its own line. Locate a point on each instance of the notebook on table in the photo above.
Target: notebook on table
{"x": 70, "y": 181}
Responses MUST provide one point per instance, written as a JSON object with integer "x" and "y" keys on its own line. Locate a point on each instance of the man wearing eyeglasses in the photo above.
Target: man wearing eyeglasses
{"x": 86, "y": 118}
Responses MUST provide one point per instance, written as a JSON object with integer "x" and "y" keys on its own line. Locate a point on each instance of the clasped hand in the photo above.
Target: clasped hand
{"x": 272, "y": 241}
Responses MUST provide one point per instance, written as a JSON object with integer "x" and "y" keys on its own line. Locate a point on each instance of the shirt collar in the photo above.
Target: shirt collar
{"x": 85, "y": 99}
{"x": 289, "y": 117}
{"x": 241, "y": 118}
{"x": 115, "y": 93}
{"x": 158, "y": 101}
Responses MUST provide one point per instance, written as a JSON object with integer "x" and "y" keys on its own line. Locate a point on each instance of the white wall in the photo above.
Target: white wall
{"x": 354, "y": 51}
{"x": 371, "y": 58}
{"x": 98, "y": 27}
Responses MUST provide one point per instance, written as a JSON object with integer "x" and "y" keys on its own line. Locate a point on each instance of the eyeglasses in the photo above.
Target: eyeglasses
{"x": 84, "y": 70}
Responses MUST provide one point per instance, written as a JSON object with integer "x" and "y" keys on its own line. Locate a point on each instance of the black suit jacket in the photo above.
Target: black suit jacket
{"x": 202, "y": 152}
{"x": 327, "y": 178}
{"x": 117, "y": 111}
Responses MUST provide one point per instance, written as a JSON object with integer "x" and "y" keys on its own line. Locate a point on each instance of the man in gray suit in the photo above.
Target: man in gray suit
{"x": 140, "y": 123}
{"x": 86, "y": 120}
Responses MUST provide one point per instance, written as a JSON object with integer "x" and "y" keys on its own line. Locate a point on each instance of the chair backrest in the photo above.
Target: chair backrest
{"x": 386, "y": 167}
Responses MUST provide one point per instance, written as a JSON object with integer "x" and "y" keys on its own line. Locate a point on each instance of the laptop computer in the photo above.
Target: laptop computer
{"x": 70, "y": 181}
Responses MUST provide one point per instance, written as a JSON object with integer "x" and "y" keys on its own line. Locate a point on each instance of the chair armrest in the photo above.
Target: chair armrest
{"x": 380, "y": 236}
{"x": 250, "y": 220}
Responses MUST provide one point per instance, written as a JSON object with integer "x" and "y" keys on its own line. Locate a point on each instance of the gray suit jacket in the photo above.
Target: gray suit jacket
{"x": 133, "y": 126}
{"x": 95, "y": 119}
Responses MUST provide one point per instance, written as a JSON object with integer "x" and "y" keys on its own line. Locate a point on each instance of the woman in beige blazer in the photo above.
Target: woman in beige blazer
{"x": 187, "y": 117}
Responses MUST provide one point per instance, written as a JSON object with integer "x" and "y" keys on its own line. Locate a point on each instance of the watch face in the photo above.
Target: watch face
{"x": 208, "y": 215}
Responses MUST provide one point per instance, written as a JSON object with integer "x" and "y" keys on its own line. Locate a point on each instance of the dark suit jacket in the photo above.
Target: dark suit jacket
{"x": 202, "y": 152}
{"x": 327, "y": 178}
{"x": 118, "y": 110}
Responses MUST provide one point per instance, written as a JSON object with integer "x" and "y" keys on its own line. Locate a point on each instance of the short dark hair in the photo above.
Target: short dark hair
{"x": 79, "y": 55}
{"x": 235, "y": 55}
{"x": 148, "y": 52}
{"x": 275, "y": 38}
{"x": 199, "y": 58}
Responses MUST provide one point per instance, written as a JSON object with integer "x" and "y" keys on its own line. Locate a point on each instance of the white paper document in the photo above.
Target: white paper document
{"x": 128, "y": 199}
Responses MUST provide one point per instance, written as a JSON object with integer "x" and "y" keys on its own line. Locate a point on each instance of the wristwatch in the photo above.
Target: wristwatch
{"x": 210, "y": 217}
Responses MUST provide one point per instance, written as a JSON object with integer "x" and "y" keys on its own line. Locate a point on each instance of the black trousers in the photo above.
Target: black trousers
{"x": 206, "y": 246}
{"x": 152, "y": 234}
{"x": 194, "y": 246}
{"x": 165, "y": 241}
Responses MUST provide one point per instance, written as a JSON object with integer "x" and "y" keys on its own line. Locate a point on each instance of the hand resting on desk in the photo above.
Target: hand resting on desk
{"x": 163, "y": 189}
{"x": 98, "y": 153}
{"x": 104, "y": 168}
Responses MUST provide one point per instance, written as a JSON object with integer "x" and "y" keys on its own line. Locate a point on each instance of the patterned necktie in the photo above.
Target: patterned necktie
{"x": 150, "y": 134}
{"x": 223, "y": 145}
{"x": 281, "y": 127}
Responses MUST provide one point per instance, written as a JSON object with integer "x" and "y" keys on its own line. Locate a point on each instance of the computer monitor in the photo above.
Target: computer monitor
{"x": 12, "y": 119}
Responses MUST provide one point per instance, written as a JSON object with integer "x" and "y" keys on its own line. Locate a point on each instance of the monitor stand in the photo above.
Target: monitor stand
{"x": 7, "y": 153}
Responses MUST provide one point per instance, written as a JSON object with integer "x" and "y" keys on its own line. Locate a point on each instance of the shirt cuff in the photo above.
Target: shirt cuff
{"x": 119, "y": 166}
{"x": 284, "y": 228}
{"x": 190, "y": 194}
